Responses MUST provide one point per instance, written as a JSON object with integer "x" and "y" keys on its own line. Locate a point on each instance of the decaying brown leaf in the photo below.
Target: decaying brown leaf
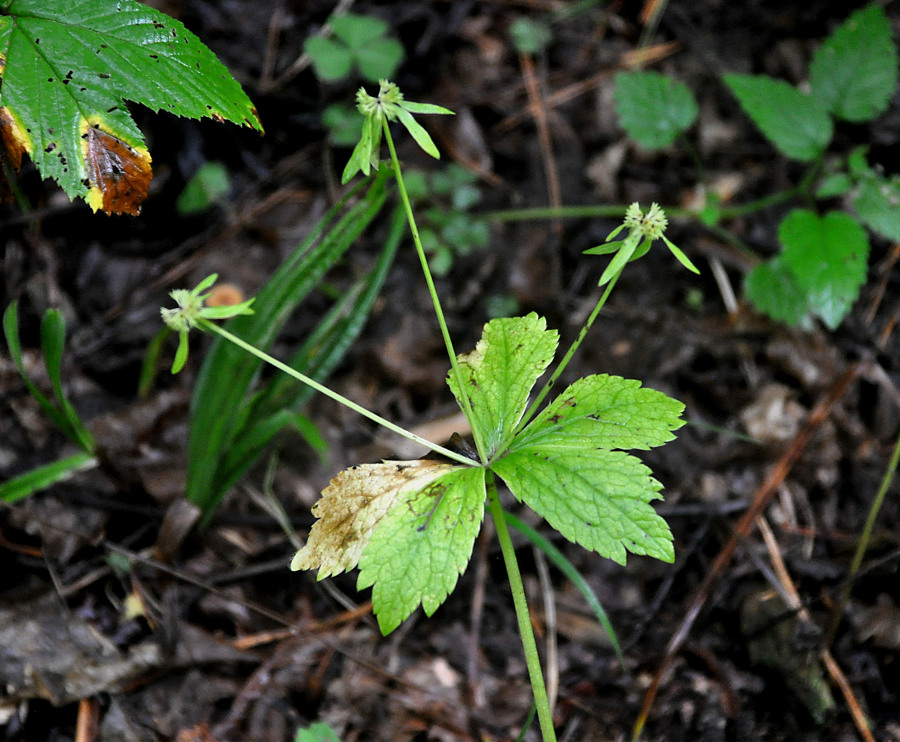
{"x": 351, "y": 507}
{"x": 119, "y": 174}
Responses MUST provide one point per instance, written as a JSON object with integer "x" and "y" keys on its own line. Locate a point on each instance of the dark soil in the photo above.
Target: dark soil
{"x": 225, "y": 643}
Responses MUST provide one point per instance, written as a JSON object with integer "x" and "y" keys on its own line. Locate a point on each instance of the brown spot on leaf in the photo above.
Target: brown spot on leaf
{"x": 119, "y": 174}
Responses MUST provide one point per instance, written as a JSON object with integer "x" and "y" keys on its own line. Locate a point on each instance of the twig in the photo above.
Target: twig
{"x": 744, "y": 526}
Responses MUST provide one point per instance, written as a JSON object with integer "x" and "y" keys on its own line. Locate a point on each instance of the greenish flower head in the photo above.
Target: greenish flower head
{"x": 388, "y": 105}
{"x": 192, "y": 312}
{"x": 643, "y": 229}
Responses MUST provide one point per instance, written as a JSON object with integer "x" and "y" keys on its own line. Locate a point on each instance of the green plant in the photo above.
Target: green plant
{"x": 445, "y": 199}
{"x": 318, "y": 732}
{"x": 343, "y": 124}
{"x": 360, "y": 42}
{"x": 824, "y": 257}
{"x": 410, "y": 525}
{"x": 233, "y": 416}
{"x": 207, "y": 186}
{"x": 67, "y": 71}
{"x": 58, "y": 409}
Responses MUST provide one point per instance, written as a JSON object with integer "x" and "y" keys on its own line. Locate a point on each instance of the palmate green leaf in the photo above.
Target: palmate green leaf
{"x": 797, "y": 124}
{"x": 499, "y": 374}
{"x": 599, "y": 499}
{"x": 603, "y": 411}
{"x": 423, "y": 545}
{"x": 69, "y": 68}
{"x": 854, "y": 73}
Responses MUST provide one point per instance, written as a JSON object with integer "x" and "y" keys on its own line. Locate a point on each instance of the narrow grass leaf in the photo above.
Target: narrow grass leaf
{"x": 44, "y": 476}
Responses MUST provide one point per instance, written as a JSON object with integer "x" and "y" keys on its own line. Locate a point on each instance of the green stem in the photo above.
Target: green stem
{"x": 554, "y": 377}
{"x": 439, "y": 312}
{"x": 205, "y": 324}
{"x": 532, "y": 658}
{"x": 864, "y": 539}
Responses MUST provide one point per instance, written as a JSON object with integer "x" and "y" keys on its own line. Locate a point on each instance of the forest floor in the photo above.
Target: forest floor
{"x": 230, "y": 645}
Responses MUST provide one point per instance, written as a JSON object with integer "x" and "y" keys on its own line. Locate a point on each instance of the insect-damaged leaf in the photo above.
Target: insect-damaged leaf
{"x": 410, "y": 525}
{"x": 67, "y": 70}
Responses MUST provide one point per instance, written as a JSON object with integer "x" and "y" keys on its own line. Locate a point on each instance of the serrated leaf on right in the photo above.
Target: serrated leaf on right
{"x": 797, "y": 124}
{"x": 877, "y": 201}
{"x": 855, "y": 72}
{"x": 599, "y": 499}
{"x": 603, "y": 411}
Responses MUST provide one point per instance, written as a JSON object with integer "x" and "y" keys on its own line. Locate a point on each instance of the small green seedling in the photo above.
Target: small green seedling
{"x": 410, "y": 526}
{"x": 67, "y": 71}
{"x": 360, "y": 42}
{"x": 530, "y": 36}
{"x": 343, "y": 123}
{"x": 445, "y": 199}
{"x": 824, "y": 257}
{"x": 58, "y": 408}
{"x": 208, "y": 186}
{"x": 319, "y": 732}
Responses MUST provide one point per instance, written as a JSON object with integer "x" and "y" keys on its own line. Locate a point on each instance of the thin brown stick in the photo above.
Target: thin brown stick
{"x": 744, "y": 526}
{"x": 796, "y": 604}
{"x": 539, "y": 111}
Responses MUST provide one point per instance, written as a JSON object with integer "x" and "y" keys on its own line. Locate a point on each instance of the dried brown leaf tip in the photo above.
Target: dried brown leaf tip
{"x": 15, "y": 144}
{"x": 118, "y": 173}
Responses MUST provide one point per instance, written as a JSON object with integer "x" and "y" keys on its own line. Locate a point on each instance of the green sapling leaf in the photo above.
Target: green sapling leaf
{"x": 796, "y": 123}
{"x": 423, "y": 545}
{"x": 331, "y": 59}
{"x": 499, "y": 374}
{"x": 876, "y": 199}
{"x": 819, "y": 273}
{"x": 319, "y": 732}
{"x": 854, "y": 73}
{"x": 599, "y": 499}
{"x": 654, "y": 109}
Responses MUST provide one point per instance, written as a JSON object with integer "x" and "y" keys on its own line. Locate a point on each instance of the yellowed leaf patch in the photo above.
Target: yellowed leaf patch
{"x": 352, "y": 506}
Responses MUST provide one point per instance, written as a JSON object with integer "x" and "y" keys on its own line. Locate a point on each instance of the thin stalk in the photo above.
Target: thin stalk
{"x": 439, "y": 312}
{"x": 212, "y": 327}
{"x": 529, "y": 645}
{"x": 864, "y": 539}
{"x": 554, "y": 377}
